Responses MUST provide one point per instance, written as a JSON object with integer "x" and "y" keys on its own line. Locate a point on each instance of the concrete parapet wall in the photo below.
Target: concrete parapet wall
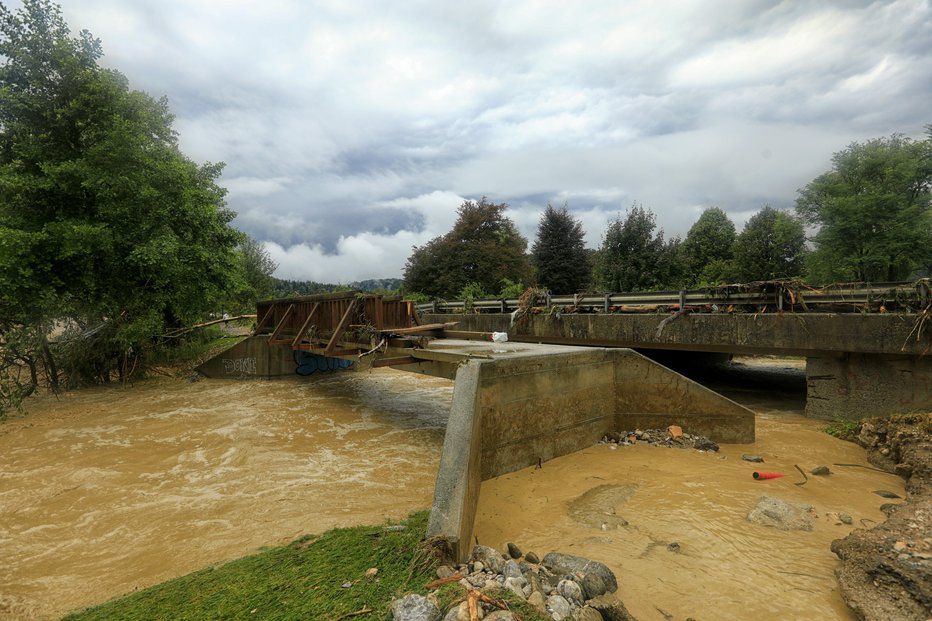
{"x": 786, "y": 334}
{"x": 852, "y": 386}
{"x": 511, "y": 413}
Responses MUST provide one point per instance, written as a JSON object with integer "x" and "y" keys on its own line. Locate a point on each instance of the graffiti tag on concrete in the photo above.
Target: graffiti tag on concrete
{"x": 239, "y": 365}
{"x": 307, "y": 363}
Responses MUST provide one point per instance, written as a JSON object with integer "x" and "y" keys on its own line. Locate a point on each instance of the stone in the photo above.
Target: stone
{"x": 571, "y": 591}
{"x": 445, "y": 571}
{"x": 511, "y": 569}
{"x": 611, "y": 608}
{"x": 489, "y": 557}
{"x": 459, "y": 613}
{"x": 569, "y": 564}
{"x": 559, "y": 607}
{"x": 500, "y": 615}
{"x": 514, "y": 551}
{"x": 776, "y": 513}
{"x": 673, "y": 547}
{"x": 886, "y": 494}
{"x": 821, "y": 471}
{"x": 477, "y": 566}
{"x": 593, "y": 584}
{"x": 414, "y": 608}
{"x": 538, "y": 602}
{"x": 845, "y": 518}
{"x": 757, "y": 459}
{"x": 530, "y": 557}
{"x": 675, "y": 431}
{"x": 587, "y": 614}
{"x": 516, "y": 586}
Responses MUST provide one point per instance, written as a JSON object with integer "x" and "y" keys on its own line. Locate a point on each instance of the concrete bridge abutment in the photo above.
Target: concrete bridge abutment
{"x": 851, "y": 386}
{"x": 512, "y": 413}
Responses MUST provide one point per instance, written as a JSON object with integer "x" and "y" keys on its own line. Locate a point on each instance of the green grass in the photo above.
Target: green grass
{"x": 302, "y": 580}
{"x": 844, "y": 429}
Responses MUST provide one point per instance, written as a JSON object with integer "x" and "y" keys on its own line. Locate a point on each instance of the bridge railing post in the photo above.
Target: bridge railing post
{"x": 607, "y": 303}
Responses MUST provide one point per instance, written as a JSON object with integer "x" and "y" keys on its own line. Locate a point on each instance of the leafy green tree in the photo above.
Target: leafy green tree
{"x": 102, "y": 219}
{"x": 483, "y": 247}
{"x": 771, "y": 246}
{"x": 709, "y": 247}
{"x": 559, "y": 253}
{"x": 873, "y": 211}
{"x": 633, "y": 257}
{"x": 255, "y": 267}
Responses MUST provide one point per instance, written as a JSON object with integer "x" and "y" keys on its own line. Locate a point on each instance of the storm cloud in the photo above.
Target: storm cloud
{"x": 353, "y": 130}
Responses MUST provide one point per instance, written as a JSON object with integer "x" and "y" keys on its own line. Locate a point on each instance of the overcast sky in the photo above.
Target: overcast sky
{"x": 353, "y": 130}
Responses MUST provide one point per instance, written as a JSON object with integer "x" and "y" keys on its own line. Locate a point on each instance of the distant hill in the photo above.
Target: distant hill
{"x": 288, "y": 288}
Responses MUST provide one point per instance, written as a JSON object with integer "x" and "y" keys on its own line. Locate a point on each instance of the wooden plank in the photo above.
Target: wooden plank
{"x": 466, "y": 335}
{"x": 278, "y": 328}
{"x": 445, "y": 356}
{"x": 430, "y": 327}
{"x": 391, "y": 362}
{"x": 341, "y": 327}
{"x": 307, "y": 322}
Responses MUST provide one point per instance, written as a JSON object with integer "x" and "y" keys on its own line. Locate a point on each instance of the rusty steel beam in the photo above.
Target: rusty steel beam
{"x": 307, "y": 322}
{"x": 273, "y": 338}
{"x": 341, "y": 327}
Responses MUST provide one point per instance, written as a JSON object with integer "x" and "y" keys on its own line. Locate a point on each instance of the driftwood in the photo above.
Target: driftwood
{"x": 669, "y": 320}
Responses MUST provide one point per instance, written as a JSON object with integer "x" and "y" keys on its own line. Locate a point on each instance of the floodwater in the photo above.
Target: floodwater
{"x": 626, "y": 507}
{"x": 110, "y": 490}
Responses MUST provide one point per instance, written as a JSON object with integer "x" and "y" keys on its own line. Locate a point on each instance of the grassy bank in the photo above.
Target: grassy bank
{"x": 303, "y": 580}
{"x": 326, "y": 577}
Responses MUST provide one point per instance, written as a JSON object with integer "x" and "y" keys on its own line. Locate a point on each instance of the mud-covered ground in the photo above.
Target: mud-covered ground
{"x": 886, "y": 571}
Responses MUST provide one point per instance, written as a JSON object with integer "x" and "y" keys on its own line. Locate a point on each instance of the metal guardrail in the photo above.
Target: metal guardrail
{"x": 776, "y": 294}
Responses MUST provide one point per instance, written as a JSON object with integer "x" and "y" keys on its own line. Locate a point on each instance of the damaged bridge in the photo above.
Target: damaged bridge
{"x": 514, "y": 404}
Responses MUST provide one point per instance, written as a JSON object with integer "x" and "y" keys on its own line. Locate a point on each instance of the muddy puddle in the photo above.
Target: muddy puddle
{"x": 671, "y": 523}
{"x": 110, "y": 490}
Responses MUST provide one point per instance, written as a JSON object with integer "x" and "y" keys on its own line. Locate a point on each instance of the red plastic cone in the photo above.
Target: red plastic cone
{"x": 760, "y": 476}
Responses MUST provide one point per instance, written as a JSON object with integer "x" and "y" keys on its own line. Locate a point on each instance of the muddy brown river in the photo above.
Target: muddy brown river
{"x": 109, "y": 490}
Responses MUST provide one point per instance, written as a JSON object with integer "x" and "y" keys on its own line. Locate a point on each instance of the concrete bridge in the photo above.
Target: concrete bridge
{"x": 856, "y": 364}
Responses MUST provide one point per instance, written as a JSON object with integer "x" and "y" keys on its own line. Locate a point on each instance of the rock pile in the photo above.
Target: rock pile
{"x": 561, "y": 587}
{"x": 672, "y": 437}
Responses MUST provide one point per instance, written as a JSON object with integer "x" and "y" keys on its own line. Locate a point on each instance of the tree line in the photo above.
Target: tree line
{"x": 867, "y": 219}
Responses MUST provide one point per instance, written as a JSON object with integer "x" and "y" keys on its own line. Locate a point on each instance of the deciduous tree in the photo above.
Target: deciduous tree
{"x": 632, "y": 257}
{"x": 771, "y": 246}
{"x": 872, "y": 210}
{"x": 483, "y": 247}
{"x": 102, "y": 218}
{"x": 708, "y": 247}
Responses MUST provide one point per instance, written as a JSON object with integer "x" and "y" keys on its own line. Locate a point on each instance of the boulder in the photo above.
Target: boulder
{"x": 776, "y": 513}
{"x": 569, "y": 564}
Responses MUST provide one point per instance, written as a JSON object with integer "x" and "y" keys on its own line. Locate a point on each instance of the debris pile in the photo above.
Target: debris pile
{"x": 673, "y": 437}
